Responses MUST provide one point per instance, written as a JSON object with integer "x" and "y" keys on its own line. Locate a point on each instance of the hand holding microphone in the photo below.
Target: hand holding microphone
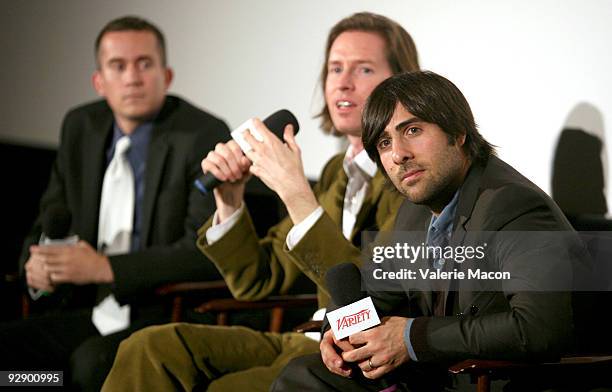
{"x": 37, "y": 276}
{"x": 343, "y": 283}
{"x": 228, "y": 166}
{"x": 278, "y": 164}
{"x": 274, "y": 124}
{"x": 62, "y": 258}
{"x": 226, "y": 169}
{"x": 375, "y": 348}
{"x": 56, "y": 227}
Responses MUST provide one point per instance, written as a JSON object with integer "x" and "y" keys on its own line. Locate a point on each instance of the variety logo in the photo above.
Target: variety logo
{"x": 353, "y": 319}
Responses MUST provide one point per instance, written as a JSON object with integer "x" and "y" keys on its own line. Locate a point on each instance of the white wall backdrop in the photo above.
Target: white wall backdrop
{"x": 523, "y": 65}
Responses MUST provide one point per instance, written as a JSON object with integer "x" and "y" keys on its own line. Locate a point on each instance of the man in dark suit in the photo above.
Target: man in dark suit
{"x": 167, "y": 138}
{"x": 419, "y": 128}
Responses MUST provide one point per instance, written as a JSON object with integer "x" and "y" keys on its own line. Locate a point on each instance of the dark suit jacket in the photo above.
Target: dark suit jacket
{"x": 485, "y": 324}
{"x": 172, "y": 208}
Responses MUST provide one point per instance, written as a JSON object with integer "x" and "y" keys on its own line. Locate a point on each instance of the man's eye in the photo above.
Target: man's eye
{"x": 382, "y": 144}
{"x": 117, "y": 66}
{"x": 412, "y": 130}
{"x": 367, "y": 70}
{"x": 144, "y": 64}
{"x": 335, "y": 70}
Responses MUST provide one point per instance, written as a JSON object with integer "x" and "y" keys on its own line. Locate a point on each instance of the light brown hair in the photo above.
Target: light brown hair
{"x": 401, "y": 52}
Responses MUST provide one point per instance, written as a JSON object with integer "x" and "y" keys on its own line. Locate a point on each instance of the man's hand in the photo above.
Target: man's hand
{"x": 380, "y": 349}
{"x": 37, "y": 276}
{"x": 329, "y": 353}
{"x": 279, "y": 166}
{"x": 78, "y": 264}
{"x": 228, "y": 164}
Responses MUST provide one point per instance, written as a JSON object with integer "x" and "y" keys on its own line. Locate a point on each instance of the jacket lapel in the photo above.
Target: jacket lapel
{"x": 333, "y": 199}
{"x": 465, "y": 206}
{"x": 369, "y": 201}
{"x": 156, "y": 158}
{"x": 94, "y": 166}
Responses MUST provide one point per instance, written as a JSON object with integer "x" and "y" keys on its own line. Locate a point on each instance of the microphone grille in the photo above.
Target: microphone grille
{"x": 277, "y": 121}
{"x": 56, "y": 221}
{"x": 344, "y": 284}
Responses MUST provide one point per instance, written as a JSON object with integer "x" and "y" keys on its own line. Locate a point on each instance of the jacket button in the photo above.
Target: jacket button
{"x": 473, "y": 310}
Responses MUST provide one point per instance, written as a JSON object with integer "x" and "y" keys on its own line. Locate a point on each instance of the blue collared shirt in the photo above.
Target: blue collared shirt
{"x": 438, "y": 234}
{"x": 441, "y": 228}
{"x": 137, "y": 156}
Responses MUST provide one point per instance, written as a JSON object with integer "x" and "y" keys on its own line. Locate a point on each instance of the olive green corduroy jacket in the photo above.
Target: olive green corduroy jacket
{"x": 256, "y": 268}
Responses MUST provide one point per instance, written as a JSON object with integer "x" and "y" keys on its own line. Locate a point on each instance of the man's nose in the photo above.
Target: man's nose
{"x": 133, "y": 74}
{"x": 400, "y": 152}
{"x": 345, "y": 81}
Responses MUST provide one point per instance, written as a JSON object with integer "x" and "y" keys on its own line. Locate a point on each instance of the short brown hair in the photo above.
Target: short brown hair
{"x": 401, "y": 52}
{"x": 431, "y": 98}
{"x": 133, "y": 23}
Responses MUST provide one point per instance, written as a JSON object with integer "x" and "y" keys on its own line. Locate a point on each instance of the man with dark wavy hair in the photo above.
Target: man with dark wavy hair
{"x": 420, "y": 130}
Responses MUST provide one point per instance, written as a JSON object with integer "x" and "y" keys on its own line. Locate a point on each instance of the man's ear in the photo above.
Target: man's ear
{"x": 98, "y": 83}
{"x": 461, "y": 139}
{"x": 169, "y": 76}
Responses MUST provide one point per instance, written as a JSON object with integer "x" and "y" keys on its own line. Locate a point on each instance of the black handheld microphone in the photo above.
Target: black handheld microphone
{"x": 56, "y": 222}
{"x": 344, "y": 284}
{"x": 276, "y": 122}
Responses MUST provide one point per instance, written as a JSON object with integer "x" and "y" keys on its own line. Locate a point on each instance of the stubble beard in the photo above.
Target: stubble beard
{"x": 433, "y": 185}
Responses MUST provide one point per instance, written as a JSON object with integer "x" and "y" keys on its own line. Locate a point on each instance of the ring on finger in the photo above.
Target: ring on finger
{"x": 372, "y": 367}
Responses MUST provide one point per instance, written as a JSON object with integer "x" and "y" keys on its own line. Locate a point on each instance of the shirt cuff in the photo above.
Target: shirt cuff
{"x": 218, "y": 230}
{"x": 298, "y": 231}
{"x": 319, "y": 315}
{"x": 407, "y": 340}
{"x": 36, "y": 293}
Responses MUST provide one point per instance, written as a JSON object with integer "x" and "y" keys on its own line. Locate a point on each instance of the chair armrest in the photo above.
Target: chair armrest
{"x": 483, "y": 371}
{"x": 482, "y": 366}
{"x": 309, "y": 326}
{"x": 281, "y": 301}
{"x": 276, "y": 304}
{"x": 185, "y": 294}
{"x": 191, "y": 287}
